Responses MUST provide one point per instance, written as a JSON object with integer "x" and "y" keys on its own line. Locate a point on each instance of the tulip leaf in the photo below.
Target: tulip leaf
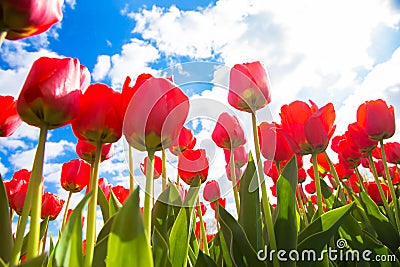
{"x": 387, "y": 233}
{"x": 127, "y": 237}
{"x": 192, "y": 194}
{"x": 43, "y": 227}
{"x": 103, "y": 202}
{"x": 286, "y": 220}
{"x": 204, "y": 260}
{"x": 100, "y": 250}
{"x": 6, "y": 243}
{"x": 179, "y": 239}
{"x": 37, "y": 261}
{"x": 240, "y": 249}
{"x": 318, "y": 233}
{"x": 160, "y": 250}
{"x": 114, "y": 204}
{"x": 68, "y": 251}
{"x": 250, "y": 215}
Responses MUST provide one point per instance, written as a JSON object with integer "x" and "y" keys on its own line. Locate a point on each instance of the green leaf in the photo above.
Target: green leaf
{"x": 286, "y": 220}
{"x": 240, "y": 249}
{"x": 37, "y": 261}
{"x": 320, "y": 231}
{"x": 127, "y": 243}
{"x": 204, "y": 260}
{"x": 387, "y": 233}
{"x": 68, "y": 251}
{"x": 160, "y": 250}
{"x": 103, "y": 202}
{"x": 7, "y": 242}
{"x": 114, "y": 204}
{"x": 100, "y": 250}
{"x": 43, "y": 227}
{"x": 250, "y": 215}
{"x": 179, "y": 239}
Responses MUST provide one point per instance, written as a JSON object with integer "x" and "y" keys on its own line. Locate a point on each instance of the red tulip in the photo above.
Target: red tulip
{"x": 310, "y": 187}
{"x": 348, "y": 154}
{"x": 157, "y": 166}
{"x": 271, "y": 170}
{"x": 220, "y": 201}
{"x": 105, "y": 187}
{"x": 273, "y": 190}
{"x": 212, "y": 192}
{"x": 373, "y": 192}
{"x": 228, "y": 133}
{"x": 238, "y": 173}
{"x": 16, "y": 189}
{"x": 30, "y": 17}
{"x": 377, "y": 119}
{"x": 128, "y": 92}
{"x": 343, "y": 172}
{"x": 240, "y": 156}
{"x": 203, "y": 209}
{"x": 249, "y": 88}
{"x": 394, "y": 174}
{"x": 193, "y": 163}
{"x": 273, "y": 144}
{"x": 392, "y": 150}
{"x": 86, "y": 151}
{"x": 9, "y": 118}
{"x": 51, "y": 206}
{"x": 307, "y": 129}
{"x": 121, "y": 193}
{"x": 301, "y": 175}
{"x": 51, "y": 93}
{"x": 186, "y": 140}
{"x": 323, "y": 163}
{"x": 155, "y": 115}
{"x": 75, "y": 175}
{"x": 360, "y": 139}
{"x": 17, "y": 200}
{"x": 100, "y": 117}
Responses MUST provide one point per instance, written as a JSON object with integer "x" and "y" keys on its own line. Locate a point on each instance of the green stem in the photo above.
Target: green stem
{"x": 202, "y": 229}
{"x": 264, "y": 196}
{"x": 164, "y": 170}
{"x": 378, "y": 184}
{"x": 234, "y": 182}
{"x": 66, "y": 210}
{"x": 148, "y": 195}
{"x": 177, "y": 179}
{"x": 45, "y": 237}
{"x": 36, "y": 180}
{"x": 91, "y": 212}
{"x": 317, "y": 184}
{"x": 360, "y": 179}
{"x": 336, "y": 177}
{"x": 131, "y": 177}
{"x": 391, "y": 187}
{"x": 301, "y": 204}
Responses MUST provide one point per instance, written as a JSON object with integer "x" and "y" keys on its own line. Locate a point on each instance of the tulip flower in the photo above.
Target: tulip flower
{"x": 157, "y": 166}
{"x": 155, "y": 115}
{"x": 52, "y": 206}
{"x": 21, "y": 19}
{"x": 273, "y": 144}
{"x": 377, "y": 119}
{"x": 51, "y": 93}
{"x": 17, "y": 200}
{"x": 100, "y": 117}
{"x": 105, "y": 187}
{"x": 307, "y": 129}
{"x": 193, "y": 163}
{"x": 239, "y": 154}
{"x": 310, "y": 187}
{"x": 9, "y": 118}
{"x": 249, "y": 88}
{"x": 238, "y": 173}
{"x": 372, "y": 190}
{"x": 86, "y": 151}
{"x": 343, "y": 172}
{"x": 75, "y": 175}
{"x": 186, "y": 140}
{"x": 301, "y": 175}
{"x": 203, "y": 209}
{"x": 221, "y": 201}
{"x": 128, "y": 92}
{"x": 211, "y": 191}
{"x": 392, "y": 150}
{"x": 121, "y": 193}
{"x": 19, "y": 179}
{"x": 360, "y": 139}
{"x": 271, "y": 170}
{"x": 228, "y": 133}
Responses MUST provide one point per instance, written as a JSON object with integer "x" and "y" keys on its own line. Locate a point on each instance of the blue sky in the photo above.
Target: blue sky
{"x": 343, "y": 52}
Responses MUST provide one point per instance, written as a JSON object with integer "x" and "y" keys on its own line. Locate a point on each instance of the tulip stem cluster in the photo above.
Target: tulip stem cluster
{"x": 91, "y": 212}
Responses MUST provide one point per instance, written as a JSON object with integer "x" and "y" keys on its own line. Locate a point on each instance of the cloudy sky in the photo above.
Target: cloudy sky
{"x": 344, "y": 52}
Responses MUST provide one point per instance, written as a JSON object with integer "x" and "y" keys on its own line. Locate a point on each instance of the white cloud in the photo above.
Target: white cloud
{"x": 101, "y": 68}
{"x": 71, "y": 3}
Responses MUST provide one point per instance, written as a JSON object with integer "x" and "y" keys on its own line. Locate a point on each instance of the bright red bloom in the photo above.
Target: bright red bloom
{"x": 373, "y": 192}
{"x": 100, "y": 117}
{"x": 394, "y": 174}
{"x": 51, "y": 92}
{"x": 104, "y": 186}
{"x": 240, "y": 156}
{"x": 273, "y": 190}
{"x": 228, "y": 133}
{"x": 51, "y": 206}
{"x": 273, "y": 144}
{"x": 307, "y": 128}
{"x": 128, "y": 92}
{"x": 75, "y": 175}
{"x": 377, "y": 119}
{"x": 310, "y": 187}
{"x": 16, "y": 189}
{"x": 198, "y": 228}
{"x": 157, "y": 166}
{"x": 203, "y": 209}
{"x": 211, "y": 191}
{"x": 392, "y": 151}
{"x": 348, "y": 154}
{"x": 155, "y": 115}
{"x": 360, "y": 139}
{"x": 249, "y": 88}
{"x": 302, "y": 175}
{"x": 220, "y": 201}
{"x": 192, "y": 163}
{"x": 185, "y": 140}
{"x": 121, "y": 193}
{"x": 9, "y": 118}
{"x": 271, "y": 170}
{"x": 30, "y": 17}
{"x": 343, "y": 172}
{"x": 87, "y": 151}
{"x": 238, "y": 173}
{"x": 323, "y": 163}
{"x": 380, "y": 169}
